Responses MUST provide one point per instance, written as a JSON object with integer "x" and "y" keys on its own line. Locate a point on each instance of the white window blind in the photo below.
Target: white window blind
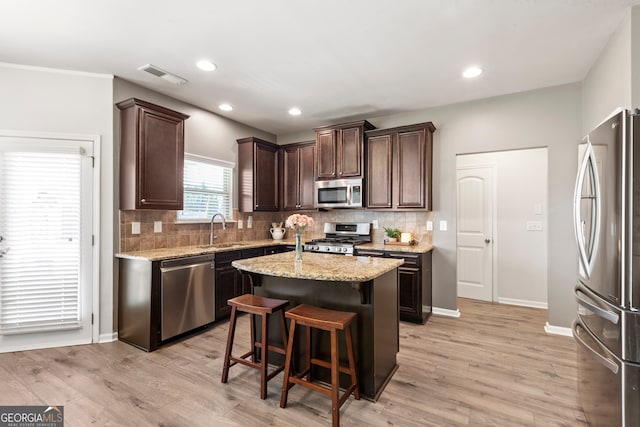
{"x": 207, "y": 188}
{"x": 40, "y": 224}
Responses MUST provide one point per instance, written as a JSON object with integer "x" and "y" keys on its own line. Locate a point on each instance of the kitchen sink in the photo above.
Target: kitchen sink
{"x": 224, "y": 245}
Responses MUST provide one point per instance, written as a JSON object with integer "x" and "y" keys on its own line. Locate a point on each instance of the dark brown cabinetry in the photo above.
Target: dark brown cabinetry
{"x": 414, "y": 283}
{"x": 230, "y": 282}
{"x": 339, "y": 150}
{"x": 298, "y": 176}
{"x": 399, "y": 163}
{"x": 151, "y": 156}
{"x": 257, "y": 175}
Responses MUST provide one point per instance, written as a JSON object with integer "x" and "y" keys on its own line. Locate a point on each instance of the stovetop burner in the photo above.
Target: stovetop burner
{"x": 340, "y": 238}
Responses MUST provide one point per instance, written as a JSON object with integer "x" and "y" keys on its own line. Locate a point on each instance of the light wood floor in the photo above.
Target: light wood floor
{"x": 494, "y": 366}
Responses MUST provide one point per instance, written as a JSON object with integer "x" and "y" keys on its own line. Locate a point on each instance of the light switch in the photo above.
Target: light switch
{"x": 537, "y": 208}
{"x": 429, "y": 225}
{"x": 240, "y": 224}
{"x": 157, "y": 226}
{"x": 443, "y": 225}
{"x": 135, "y": 228}
{"x": 249, "y": 221}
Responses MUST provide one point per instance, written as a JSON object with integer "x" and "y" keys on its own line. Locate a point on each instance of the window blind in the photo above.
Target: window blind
{"x": 207, "y": 188}
{"x": 40, "y": 223}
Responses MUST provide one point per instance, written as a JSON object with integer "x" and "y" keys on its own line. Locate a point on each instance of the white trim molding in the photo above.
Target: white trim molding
{"x": 108, "y": 337}
{"x": 523, "y": 303}
{"x": 557, "y": 330}
{"x": 55, "y": 70}
{"x": 446, "y": 312}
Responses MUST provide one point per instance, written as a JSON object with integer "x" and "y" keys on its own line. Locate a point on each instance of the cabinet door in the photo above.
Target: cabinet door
{"x": 409, "y": 291}
{"x": 160, "y": 161}
{"x": 379, "y": 177}
{"x": 349, "y": 150}
{"x": 411, "y": 157}
{"x": 326, "y": 152}
{"x": 306, "y": 175}
{"x": 290, "y": 178}
{"x": 226, "y": 288}
{"x": 266, "y": 178}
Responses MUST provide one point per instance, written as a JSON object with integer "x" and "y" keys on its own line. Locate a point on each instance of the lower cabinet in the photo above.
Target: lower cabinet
{"x": 414, "y": 283}
{"x": 230, "y": 283}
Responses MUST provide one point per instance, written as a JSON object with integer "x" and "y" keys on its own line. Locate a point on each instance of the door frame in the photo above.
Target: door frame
{"x": 494, "y": 220}
{"x": 95, "y": 141}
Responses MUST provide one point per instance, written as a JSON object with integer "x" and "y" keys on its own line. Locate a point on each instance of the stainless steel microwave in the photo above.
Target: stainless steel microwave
{"x": 338, "y": 193}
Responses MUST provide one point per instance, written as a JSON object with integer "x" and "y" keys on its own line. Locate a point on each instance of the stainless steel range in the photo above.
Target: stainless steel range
{"x": 340, "y": 237}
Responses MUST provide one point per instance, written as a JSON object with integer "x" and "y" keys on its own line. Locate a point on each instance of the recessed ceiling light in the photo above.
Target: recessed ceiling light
{"x": 472, "y": 72}
{"x": 295, "y": 111}
{"x": 225, "y": 107}
{"x": 206, "y": 65}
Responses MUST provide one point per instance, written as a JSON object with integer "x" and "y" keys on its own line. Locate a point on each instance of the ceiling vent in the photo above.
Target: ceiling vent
{"x": 159, "y": 72}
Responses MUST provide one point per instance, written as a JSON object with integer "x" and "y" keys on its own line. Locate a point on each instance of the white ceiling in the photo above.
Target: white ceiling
{"x": 335, "y": 59}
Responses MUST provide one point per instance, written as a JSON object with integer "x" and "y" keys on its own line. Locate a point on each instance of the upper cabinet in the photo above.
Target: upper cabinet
{"x": 151, "y": 156}
{"x": 257, "y": 175}
{"x": 399, "y": 164}
{"x": 339, "y": 150}
{"x": 298, "y": 176}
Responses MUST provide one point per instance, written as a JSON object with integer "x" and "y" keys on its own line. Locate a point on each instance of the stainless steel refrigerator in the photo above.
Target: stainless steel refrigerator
{"x": 607, "y": 229}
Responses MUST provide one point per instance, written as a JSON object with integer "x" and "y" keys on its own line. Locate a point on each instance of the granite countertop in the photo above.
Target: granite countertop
{"x": 315, "y": 266}
{"x": 419, "y": 248}
{"x": 185, "y": 251}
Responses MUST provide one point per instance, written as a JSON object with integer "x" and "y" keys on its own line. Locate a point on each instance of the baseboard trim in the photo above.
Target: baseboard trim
{"x": 108, "y": 337}
{"x": 446, "y": 312}
{"x": 523, "y": 303}
{"x": 557, "y": 330}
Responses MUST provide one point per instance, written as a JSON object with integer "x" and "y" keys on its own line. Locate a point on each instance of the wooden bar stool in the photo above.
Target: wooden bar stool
{"x": 259, "y": 306}
{"x": 328, "y": 320}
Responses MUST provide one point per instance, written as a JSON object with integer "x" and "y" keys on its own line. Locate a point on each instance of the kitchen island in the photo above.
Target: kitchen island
{"x": 366, "y": 286}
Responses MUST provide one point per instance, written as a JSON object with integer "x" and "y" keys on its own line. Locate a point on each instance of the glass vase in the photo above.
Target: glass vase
{"x": 298, "y": 257}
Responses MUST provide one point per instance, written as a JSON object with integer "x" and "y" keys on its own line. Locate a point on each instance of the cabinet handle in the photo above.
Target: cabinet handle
{"x": 143, "y": 200}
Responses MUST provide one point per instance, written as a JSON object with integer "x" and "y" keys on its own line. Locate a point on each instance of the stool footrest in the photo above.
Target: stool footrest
{"x": 325, "y": 364}
{"x": 273, "y": 348}
{"x": 312, "y": 386}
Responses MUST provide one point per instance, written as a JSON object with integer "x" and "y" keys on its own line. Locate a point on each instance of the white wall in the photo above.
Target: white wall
{"x": 607, "y": 85}
{"x": 521, "y": 255}
{"x": 37, "y": 99}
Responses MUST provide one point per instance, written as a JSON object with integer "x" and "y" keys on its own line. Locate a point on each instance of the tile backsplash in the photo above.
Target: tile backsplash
{"x": 191, "y": 234}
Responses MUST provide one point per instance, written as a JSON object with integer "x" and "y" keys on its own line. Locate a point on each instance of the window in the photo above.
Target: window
{"x": 207, "y": 188}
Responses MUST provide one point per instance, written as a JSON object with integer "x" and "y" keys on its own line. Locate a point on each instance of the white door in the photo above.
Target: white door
{"x": 46, "y": 254}
{"x": 474, "y": 236}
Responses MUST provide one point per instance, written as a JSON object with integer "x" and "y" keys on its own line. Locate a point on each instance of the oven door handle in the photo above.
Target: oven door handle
{"x": 605, "y": 314}
{"x": 604, "y": 361}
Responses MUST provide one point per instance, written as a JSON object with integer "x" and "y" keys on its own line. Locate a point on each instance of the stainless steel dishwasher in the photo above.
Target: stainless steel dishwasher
{"x": 187, "y": 294}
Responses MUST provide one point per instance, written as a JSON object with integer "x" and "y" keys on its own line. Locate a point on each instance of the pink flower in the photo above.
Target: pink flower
{"x": 299, "y": 222}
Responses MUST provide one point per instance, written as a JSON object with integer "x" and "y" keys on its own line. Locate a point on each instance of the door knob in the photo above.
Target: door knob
{"x": 487, "y": 240}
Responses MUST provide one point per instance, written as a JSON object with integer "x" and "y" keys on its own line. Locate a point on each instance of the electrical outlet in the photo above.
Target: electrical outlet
{"x": 443, "y": 225}
{"x": 157, "y": 226}
{"x": 429, "y": 225}
{"x": 534, "y": 225}
{"x": 135, "y": 228}
{"x": 240, "y": 224}
{"x": 375, "y": 224}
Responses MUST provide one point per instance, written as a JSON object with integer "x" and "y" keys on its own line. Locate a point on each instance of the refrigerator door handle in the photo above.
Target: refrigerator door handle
{"x": 604, "y": 361}
{"x": 587, "y": 164}
{"x": 605, "y": 314}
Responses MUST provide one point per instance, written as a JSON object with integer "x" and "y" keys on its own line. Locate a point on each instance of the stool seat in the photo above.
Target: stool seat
{"x": 255, "y": 306}
{"x": 331, "y": 321}
{"x": 320, "y": 318}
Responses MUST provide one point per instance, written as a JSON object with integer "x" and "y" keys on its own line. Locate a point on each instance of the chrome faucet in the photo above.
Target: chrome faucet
{"x": 224, "y": 226}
